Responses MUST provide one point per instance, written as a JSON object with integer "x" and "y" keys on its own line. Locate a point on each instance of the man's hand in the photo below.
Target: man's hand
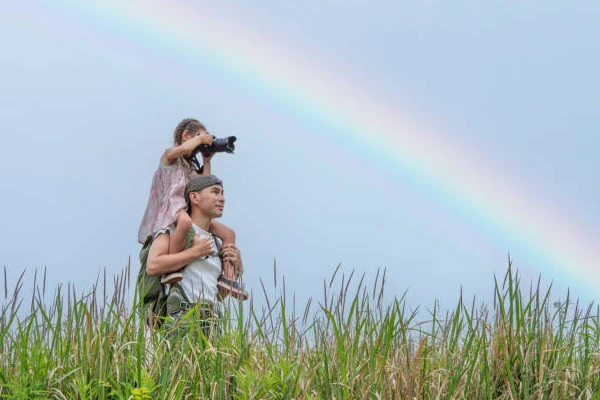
{"x": 203, "y": 245}
{"x": 232, "y": 254}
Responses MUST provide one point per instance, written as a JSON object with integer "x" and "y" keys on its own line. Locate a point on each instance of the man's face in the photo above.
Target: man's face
{"x": 211, "y": 201}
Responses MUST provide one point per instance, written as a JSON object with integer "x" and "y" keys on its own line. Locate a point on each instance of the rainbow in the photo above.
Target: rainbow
{"x": 369, "y": 126}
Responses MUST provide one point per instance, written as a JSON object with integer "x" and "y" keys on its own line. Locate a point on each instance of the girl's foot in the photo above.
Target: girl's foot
{"x": 173, "y": 277}
{"x": 233, "y": 287}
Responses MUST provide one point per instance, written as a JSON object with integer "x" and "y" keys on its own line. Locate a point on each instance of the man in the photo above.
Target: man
{"x": 195, "y": 296}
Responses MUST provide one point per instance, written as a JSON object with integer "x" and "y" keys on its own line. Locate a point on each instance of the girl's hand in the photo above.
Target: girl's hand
{"x": 205, "y": 138}
{"x": 203, "y": 245}
{"x": 207, "y": 169}
{"x": 206, "y": 159}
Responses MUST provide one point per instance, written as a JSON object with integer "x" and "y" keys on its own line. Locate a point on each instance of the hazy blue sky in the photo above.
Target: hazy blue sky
{"x": 88, "y": 104}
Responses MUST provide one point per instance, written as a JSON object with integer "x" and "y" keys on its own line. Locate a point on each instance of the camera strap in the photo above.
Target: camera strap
{"x": 194, "y": 163}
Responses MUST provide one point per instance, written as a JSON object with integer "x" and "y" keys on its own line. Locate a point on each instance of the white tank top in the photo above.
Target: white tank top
{"x": 200, "y": 276}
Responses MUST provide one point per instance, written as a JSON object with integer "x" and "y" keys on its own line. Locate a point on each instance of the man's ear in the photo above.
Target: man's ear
{"x": 194, "y": 197}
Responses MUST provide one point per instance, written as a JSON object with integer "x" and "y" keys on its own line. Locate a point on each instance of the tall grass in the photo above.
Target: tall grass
{"x": 349, "y": 345}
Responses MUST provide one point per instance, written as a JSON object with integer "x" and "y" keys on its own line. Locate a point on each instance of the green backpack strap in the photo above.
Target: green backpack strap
{"x": 190, "y": 238}
{"x": 151, "y": 291}
{"x": 218, "y": 243}
{"x": 149, "y": 287}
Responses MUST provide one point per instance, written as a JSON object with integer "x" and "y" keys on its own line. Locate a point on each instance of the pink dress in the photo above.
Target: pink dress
{"x": 166, "y": 199}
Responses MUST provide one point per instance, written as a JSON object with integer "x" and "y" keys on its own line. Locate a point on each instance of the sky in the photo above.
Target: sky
{"x": 430, "y": 139}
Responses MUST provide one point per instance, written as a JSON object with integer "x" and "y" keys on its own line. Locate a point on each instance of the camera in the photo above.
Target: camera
{"x": 219, "y": 145}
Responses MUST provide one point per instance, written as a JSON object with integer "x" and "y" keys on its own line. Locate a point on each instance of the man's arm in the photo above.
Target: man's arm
{"x": 161, "y": 262}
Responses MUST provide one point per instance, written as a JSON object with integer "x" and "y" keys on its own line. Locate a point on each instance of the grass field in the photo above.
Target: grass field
{"x": 348, "y": 345}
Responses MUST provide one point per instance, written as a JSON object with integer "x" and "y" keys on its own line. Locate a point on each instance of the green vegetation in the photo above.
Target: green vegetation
{"x": 352, "y": 345}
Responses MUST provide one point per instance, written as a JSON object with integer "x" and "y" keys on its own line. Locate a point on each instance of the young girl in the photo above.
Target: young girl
{"x": 167, "y": 205}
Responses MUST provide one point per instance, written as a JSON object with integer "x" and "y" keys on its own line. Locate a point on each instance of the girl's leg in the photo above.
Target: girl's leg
{"x": 227, "y": 236}
{"x": 177, "y": 243}
{"x": 180, "y": 234}
{"x": 229, "y": 279}
{"x": 229, "y": 271}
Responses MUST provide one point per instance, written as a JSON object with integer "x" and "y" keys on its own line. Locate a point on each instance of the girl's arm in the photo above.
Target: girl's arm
{"x": 185, "y": 149}
{"x": 161, "y": 262}
{"x": 206, "y": 170}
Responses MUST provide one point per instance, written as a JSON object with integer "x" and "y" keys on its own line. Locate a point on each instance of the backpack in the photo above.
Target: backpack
{"x": 151, "y": 293}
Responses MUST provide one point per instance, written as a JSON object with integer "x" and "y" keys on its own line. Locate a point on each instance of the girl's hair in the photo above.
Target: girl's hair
{"x": 191, "y": 124}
